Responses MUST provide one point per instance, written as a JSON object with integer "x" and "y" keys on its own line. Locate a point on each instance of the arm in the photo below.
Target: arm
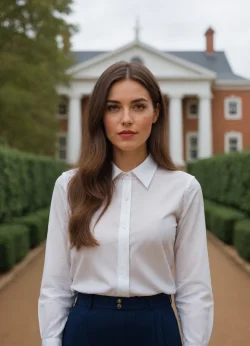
{"x": 55, "y": 297}
{"x": 194, "y": 296}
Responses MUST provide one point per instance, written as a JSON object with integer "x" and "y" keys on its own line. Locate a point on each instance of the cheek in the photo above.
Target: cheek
{"x": 146, "y": 123}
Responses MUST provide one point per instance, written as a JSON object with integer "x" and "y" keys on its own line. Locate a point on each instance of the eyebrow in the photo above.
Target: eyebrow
{"x": 134, "y": 101}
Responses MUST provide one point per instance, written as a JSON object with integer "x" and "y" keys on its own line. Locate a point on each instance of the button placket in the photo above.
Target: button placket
{"x": 123, "y": 243}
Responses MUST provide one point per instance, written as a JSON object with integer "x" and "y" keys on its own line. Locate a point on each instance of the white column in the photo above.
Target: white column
{"x": 205, "y": 132}
{"x": 176, "y": 129}
{"x": 74, "y": 129}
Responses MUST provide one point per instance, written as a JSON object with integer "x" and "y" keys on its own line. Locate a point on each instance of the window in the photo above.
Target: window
{"x": 192, "y": 146}
{"x": 61, "y": 146}
{"x": 137, "y": 59}
{"x": 192, "y": 109}
{"x": 233, "y": 142}
{"x": 233, "y": 108}
{"x": 62, "y": 111}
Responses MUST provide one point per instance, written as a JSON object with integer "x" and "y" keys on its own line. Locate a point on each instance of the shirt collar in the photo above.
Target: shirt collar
{"x": 144, "y": 172}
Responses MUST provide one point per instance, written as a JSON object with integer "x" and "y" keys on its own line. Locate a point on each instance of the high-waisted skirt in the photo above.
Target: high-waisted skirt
{"x": 116, "y": 321}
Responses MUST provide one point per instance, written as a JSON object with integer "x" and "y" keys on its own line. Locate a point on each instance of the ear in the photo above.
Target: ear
{"x": 156, "y": 113}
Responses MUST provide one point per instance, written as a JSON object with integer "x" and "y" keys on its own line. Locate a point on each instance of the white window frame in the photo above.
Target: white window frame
{"x": 61, "y": 135}
{"x": 238, "y": 102}
{"x": 63, "y": 116}
{"x": 233, "y": 134}
{"x": 189, "y": 103}
{"x": 188, "y": 148}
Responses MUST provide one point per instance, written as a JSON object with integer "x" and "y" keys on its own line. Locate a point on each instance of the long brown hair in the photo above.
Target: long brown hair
{"x": 91, "y": 187}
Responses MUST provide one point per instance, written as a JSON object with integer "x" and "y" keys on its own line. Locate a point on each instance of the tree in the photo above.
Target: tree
{"x": 33, "y": 61}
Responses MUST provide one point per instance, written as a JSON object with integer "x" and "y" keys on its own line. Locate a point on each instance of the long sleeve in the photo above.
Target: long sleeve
{"x": 55, "y": 297}
{"x": 194, "y": 296}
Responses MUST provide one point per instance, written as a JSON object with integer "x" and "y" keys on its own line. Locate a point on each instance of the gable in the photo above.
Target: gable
{"x": 162, "y": 65}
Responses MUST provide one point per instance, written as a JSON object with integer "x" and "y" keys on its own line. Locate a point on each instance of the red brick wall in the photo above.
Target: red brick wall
{"x": 222, "y": 125}
{"x": 63, "y": 125}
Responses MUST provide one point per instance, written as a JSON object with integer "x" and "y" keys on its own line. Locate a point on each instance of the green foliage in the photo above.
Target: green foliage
{"x": 22, "y": 234}
{"x": 26, "y": 182}
{"x": 7, "y": 249}
{"x": 208, "y": 208}
{"x": 37, "y": 224}
{"x": 21, "y": 241}
{"x": 221, "y": 220}
{"x": 242, "y": 238}
{"x": 225, "y": 179}
{"x": 14, "y": 245}
{"x": 32, "y": 65}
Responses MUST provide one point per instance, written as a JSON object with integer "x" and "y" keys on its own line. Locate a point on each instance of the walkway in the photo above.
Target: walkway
{"x": 18, "y": 304}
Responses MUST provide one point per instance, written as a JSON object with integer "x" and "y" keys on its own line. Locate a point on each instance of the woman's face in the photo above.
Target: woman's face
{"x": 129, "y": 115}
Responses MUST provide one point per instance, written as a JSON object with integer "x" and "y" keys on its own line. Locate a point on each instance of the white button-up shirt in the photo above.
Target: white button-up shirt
{"x": 155, "y": 221}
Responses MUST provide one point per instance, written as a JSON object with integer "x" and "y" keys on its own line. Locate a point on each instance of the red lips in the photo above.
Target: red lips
{"x": 127, "y": 132}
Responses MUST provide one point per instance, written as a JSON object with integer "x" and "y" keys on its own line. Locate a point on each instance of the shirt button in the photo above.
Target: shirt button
{"x": 119, "y": 306}
{"x": 126, "y": 198}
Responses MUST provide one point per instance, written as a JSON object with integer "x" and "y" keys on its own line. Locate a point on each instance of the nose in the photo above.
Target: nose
{"x": 126, "y": 117}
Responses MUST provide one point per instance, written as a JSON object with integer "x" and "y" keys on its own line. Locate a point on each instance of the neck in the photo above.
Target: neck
{"x": 128, "y": 160}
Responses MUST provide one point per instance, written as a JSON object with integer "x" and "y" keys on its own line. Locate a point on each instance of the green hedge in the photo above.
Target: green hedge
{"x": 221, "y": 220}
{"x": 208, "y": 207}
{"x": 21, "y": 241}
{"x": 37, "y": 224}
{"x": 17, "y": 238}
{"x": 225, "y": 179}
{"x": 242, "y": 238}
{"x": 14, "y": 245}
{"x": 26, "y": 182}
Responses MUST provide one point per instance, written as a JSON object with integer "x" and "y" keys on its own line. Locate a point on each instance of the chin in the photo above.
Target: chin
{"x": 126, "y": 147}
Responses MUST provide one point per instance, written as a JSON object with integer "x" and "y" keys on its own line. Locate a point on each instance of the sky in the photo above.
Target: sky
{"x": 166, "y": 25}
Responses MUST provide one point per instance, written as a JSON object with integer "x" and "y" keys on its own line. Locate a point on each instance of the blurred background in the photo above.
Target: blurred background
{"x": 51, "y": 54}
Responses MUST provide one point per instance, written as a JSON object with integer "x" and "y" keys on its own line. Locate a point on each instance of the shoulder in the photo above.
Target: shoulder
{"x": 63, "y": 180}
{"x": 181, "y": 180}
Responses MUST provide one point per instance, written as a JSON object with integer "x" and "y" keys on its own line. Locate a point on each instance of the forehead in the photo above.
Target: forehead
{"x": 128, "y": 89}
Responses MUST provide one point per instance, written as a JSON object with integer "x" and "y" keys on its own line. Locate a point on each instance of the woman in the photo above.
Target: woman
{"x": 119, "y": 222}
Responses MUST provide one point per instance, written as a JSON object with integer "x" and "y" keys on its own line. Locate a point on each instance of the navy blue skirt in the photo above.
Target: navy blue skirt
{"x": 116, "y": 321}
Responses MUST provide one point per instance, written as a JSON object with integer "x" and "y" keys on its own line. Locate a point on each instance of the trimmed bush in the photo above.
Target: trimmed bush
{"x": 43, "y": 215}
{"x": 37, "y": 224}
{"x": 14, "y": 245}
{"x": 7, "y": 249}
{"x": 21, "y": 241}
{"x": 26, "y": 182}
{"x": 225, "y": 179}
{"x": 242, "y": 238}
{"x": 222, "y": 222}
{"x": 35, "y": 229}
{"x": 208, "y": 208}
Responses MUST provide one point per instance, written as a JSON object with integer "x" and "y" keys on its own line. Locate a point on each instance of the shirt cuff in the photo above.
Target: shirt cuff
{"x": 52, "y": 342}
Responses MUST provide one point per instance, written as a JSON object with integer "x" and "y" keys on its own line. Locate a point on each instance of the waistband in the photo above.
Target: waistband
{"x": 122, "y": 303}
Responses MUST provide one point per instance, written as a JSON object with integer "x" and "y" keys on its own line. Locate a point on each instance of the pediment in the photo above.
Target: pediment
{"x": 162, "y": 65}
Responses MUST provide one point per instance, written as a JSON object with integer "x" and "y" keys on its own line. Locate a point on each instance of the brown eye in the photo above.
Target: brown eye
{"x": 112, "y": 108}
{"x": 139, "y": 106}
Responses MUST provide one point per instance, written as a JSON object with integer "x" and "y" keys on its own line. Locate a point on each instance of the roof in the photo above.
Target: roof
{"x": 216, "y": 62}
